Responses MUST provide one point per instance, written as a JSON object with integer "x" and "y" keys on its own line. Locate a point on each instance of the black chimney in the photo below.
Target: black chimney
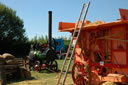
{"x": 50, "y": 30}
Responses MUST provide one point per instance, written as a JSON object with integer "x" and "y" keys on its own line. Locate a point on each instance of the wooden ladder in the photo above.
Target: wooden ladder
{"x": 72, "y": 46}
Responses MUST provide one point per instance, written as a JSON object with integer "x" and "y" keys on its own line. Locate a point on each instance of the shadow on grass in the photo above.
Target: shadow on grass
{"x": 14, "y": 80}
{"x": 52, "y": 71}
{"x": 49, "y": 71}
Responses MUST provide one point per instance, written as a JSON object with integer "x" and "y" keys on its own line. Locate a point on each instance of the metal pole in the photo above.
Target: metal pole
{"x": 50, "y": 29}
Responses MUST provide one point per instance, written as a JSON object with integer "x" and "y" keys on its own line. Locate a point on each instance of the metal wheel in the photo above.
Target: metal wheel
{"x": 81, "y": 74}
{"x": 37, "y": 66}
{"x": 53, "y": 65}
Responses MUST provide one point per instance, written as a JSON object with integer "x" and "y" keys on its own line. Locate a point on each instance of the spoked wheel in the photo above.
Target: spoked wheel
{"x": 53, "y": 65}
{"x": 81, "y": 74}
{"x": 37, "y": 66}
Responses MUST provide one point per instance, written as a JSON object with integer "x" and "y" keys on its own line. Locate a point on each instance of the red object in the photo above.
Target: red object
{"x": 37, "y": 66}
{"x": 44, "y": 65}
{"x": 104, "y": 48}
{"x": 123, "y": 14}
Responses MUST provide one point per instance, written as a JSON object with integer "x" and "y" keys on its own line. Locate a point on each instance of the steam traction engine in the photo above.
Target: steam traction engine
{"x": 101, "y": 53}
{"x": 43, "y": 57}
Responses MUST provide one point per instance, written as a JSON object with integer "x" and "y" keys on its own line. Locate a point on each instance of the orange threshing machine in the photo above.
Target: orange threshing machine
{"x": 101, "y": 53}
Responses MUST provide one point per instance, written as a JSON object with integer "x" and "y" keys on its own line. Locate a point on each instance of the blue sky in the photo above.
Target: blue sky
{"x": 35, "y": 13}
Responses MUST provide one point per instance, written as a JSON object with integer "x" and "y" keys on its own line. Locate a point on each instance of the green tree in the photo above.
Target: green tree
{"x": 11, "y": 26}
{"x": 34, "y": 39}
{"x": 42, "y": 39}
{"x": 12, "y": 32}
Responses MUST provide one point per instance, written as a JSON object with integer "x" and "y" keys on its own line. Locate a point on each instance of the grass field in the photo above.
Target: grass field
{"x": 43, "y": 78}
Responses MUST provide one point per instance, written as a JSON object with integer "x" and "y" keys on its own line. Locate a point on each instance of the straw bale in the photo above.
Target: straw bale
{"x": 95, "y": 23}
{"x": 22, "y": 73}
{"x": 8, "y": 56}
{"x": 11, "y": 62}
{"x": 2, "y": 60}
{"x": 27, "y": 74}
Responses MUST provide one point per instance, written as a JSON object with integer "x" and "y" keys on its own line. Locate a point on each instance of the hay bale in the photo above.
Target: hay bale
{"x": 2, "y": 82}
{"x": 2, "y": 75}
{"x": 22, "y": 76}
{"x": 8, "y": 56}
{"x": 95, "y": 23}
{"x": 2, "y": 60}
{"x": 11, "y": 62}
{"x": 1, "y": 57}
{"x": 27, "y": 74}
{"x": 24, "y": 73}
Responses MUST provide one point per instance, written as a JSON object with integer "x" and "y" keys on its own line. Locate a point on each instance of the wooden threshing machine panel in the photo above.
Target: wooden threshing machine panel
{"x": 103, "y": 47}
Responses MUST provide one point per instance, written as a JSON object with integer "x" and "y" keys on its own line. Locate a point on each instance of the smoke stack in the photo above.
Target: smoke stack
{"x": 50, "y": 29}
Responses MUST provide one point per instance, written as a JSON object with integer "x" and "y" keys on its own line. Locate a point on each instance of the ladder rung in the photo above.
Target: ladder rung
{"x": 77, "y": 30}
{"x": 68, "y": 58}
{"x": 65, "y": 65}
{"x": 75, "y": 37}
{"x": 63, "y": 72}
{"x": 70, "y": 51}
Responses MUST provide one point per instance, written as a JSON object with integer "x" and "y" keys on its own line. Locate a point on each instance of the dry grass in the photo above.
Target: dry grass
{"x": 43, "y": 78}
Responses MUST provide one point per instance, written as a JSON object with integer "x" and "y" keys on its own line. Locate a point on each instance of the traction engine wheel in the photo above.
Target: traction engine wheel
{"x": 81, "y": 74}
{"x": 37, "y": 66}
{"x": 53, "y": 65}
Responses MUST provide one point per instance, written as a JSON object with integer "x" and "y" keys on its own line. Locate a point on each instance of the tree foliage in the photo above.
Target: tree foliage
{"x": 11, "y": 26}
{"x": 42, "y": 39}
{"x": 12, "y": 32}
